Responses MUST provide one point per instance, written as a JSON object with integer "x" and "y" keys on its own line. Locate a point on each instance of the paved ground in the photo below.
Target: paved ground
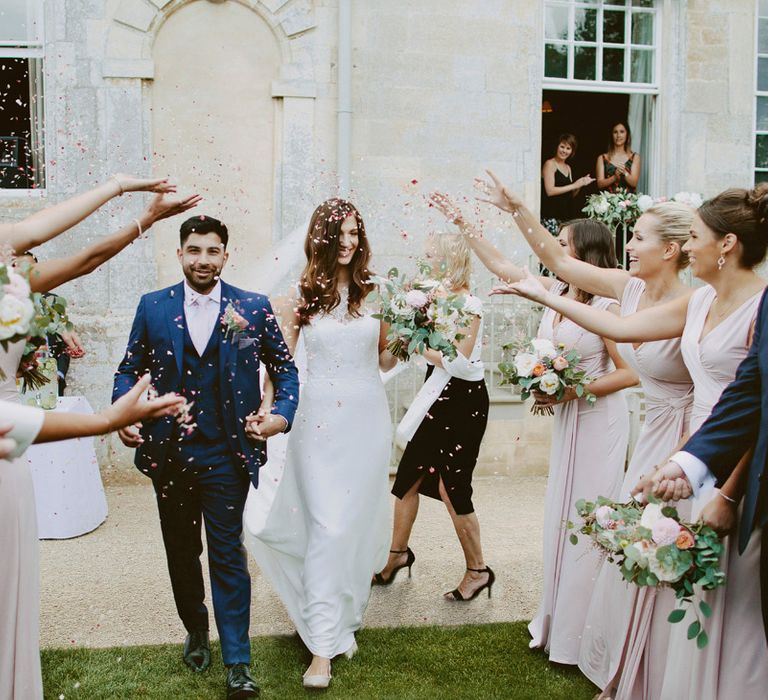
{"x": 111, "y": 587}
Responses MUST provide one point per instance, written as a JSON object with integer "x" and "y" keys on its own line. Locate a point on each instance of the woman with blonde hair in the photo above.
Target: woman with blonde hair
{"x": 623, "y": 648}
{"x": 444, "y": 428}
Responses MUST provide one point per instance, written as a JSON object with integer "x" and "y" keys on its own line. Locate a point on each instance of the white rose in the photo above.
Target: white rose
{"x": 416, "y": 298}
{"x": 601, "y": 206}
{"x": 401, "y": 307}
{"x": 696, "y": 200}
{"x": 524, "y": 363}
{"x": 605, "y": 515}
{"x": 651, "y": 514}
{"x": 17, "y": 286}
{"x": 662, "y": 572}
{"x": 641, "y": 552}
{"x": 429, "y": 284}
{"x": 549, "y": 383}
{"x": 544, "y": 348}
{"x": 15, "y": 315}
{"x": 644, "y": 201}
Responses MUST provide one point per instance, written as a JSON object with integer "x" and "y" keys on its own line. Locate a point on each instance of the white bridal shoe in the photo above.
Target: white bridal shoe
{"x": 317, "y": 680}
{"x": 349, "y": 653}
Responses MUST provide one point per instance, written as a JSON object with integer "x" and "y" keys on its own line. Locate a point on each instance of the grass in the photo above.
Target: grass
{"x": 474, "y": 661}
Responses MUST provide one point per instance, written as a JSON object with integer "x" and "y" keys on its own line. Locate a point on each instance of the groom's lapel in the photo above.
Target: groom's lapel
{"x": 227, "y": 341}
{"x": 175, "y": 317}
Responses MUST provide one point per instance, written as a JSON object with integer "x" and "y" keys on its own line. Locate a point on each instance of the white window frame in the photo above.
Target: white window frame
{"x": 758, "y": 94}
{"x": 30, "y": 49}
{"x": 599, "y": 85}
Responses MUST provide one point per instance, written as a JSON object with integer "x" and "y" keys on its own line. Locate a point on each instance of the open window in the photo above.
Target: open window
{"x": 22, "y": 156}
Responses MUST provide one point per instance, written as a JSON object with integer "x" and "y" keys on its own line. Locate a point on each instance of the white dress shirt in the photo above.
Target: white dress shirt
{"x": 696, "y": 471}
{"x": 202, "y": 312}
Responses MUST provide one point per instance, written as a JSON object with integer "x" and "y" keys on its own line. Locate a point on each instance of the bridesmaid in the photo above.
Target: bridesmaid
{"x": 589, "y": 443}
{"x": 19, "y": 585}
{"x": 623, "y": 650}
{"x": 444, "y": 427}
{"x": 728, "y": 240}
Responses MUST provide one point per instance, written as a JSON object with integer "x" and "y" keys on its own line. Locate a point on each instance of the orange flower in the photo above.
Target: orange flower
{"x": 539, "y": 369}
{"x": 685, "y": 540}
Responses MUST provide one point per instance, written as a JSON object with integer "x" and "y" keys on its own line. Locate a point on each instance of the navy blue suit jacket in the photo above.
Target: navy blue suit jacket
{"x": 156, "y": 344}
{"x": 739, "y": 420}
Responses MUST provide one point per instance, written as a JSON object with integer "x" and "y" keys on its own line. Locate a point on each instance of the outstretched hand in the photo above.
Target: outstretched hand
{"x": 529, "y": 287}
{"x": 128, "y": 183}
{"x": 498, "y": 194}
{"x": 447, "y": 207}
{"x": 161, "y": 208}
{"x": 131, "y": 408}
{"x": 668, "y": 482}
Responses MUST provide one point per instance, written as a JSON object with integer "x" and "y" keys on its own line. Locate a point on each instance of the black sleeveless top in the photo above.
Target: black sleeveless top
{"x": 560, "y": 206}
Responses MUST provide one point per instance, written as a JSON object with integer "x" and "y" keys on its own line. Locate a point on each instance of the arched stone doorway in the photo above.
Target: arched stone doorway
{"x": 213, "y": 125}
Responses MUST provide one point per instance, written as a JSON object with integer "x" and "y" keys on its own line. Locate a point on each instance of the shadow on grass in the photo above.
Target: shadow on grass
{"x": 473, "y": 661}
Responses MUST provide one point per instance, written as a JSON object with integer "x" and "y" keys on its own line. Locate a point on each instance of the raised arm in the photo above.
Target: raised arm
{"x": 491, "y": 257}
{"x": 595, "y": 280}
{"x": 655, "y": 323}
{"x": 49, "y": 274}
{"x": 48, "y": 223}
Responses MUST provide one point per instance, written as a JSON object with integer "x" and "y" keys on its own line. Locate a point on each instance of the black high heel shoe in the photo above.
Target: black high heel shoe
{"x": 379, "y": 580}
{"x": 455, "y": 594}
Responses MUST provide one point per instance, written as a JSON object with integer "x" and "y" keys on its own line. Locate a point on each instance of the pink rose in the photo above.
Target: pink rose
{"x": 559, "y": 363}
{"x": 417, "y": 299}
{"x": 17, "y": 286}
{"x": 665, "y": 531}
{"x": 240, "y": 321}
{"x": 685, "y": 540}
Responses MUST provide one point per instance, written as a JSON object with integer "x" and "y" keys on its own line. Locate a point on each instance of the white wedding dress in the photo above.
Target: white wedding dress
{"x": 318, "y": 525}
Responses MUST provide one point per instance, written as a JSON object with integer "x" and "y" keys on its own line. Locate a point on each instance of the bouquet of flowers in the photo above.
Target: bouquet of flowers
{"x": 16, "y": 306}
{"x": 49, "y": 318}
{"x": 537, "y": 365}
{"x": 421, "y": 313}
{"x": 652, "y": 546}
{"x": 622, "y": 208}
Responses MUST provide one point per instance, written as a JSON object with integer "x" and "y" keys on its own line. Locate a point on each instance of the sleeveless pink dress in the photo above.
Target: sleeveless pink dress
{"x": 589, "y": 447}
{"x": 735, "y": 662}
{"x": 626, "y": 629}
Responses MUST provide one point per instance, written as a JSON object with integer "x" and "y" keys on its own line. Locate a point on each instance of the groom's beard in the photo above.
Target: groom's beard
{"x": 202, "y": 280}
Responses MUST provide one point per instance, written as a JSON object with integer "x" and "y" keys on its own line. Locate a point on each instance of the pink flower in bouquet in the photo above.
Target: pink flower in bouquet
{"x": 417, "y": 299}
{"x": 665, "y": 531}
{"x": 685, "y": 540}
{"x": 604, "y": 516}
{"x": 17, "y": 286}
{"x": 559, "y": 363}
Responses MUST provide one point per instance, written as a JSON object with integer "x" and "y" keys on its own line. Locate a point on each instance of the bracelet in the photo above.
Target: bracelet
{"x": 119, "y": 185}
{"x": 727, "y": 498}
{"x": 138, "y": 225}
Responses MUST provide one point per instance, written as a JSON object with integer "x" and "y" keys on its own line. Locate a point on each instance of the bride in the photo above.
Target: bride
{"x": 326, "y": 530}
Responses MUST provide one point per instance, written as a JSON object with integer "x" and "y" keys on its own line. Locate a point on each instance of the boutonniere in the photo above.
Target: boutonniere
{"x": 232, "y": 321}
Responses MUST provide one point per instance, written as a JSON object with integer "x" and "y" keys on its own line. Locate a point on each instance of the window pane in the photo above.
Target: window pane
{"x": 762, "y": 74}
{"x": 556, "y": 23}
{"x": 641, "y": 70}
{"x": 763, "y": 8}
{"x": 613, "y": 26}
{"x": 762, "y": 35}
{"x": 642, "y": 28}
{"x": 584, "y": 59}
{"x": 762, "y": 113}
{"x": 21, "y": 156}
{"x": 761, "y": 151}
{"x": 613, "y": 64}
{"x": 19, "y": 20}
{"x": 556, "y": 61}
{"x": 585, "y": 28}
{"x": 642, "y": 3}
{"x": 761, "y": 177}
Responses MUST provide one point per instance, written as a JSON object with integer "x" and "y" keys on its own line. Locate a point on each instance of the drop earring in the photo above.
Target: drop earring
{"x": 720, "y": 262}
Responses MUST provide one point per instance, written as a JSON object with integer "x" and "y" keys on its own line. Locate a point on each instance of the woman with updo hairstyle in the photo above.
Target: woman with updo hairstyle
{"x": 325, "y": 532}
{"x": 589, "y": 442}
{"x": 729, "y": 238}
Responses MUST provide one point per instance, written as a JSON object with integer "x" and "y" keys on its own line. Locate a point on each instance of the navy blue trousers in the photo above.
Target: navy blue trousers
{"x": 216, "y": 496}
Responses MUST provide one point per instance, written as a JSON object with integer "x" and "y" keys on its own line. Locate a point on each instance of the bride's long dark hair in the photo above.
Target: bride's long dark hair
{"x": 319, "y": 282}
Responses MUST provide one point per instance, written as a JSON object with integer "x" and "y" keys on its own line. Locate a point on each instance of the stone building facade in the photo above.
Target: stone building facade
{"x": 262, "y": 105}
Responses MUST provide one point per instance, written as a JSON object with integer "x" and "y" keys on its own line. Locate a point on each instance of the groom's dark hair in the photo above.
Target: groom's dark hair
{"x": 202, "y": 225}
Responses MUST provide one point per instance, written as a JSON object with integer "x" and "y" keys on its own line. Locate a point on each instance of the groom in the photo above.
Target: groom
{"x": 206, "y": 339}
{"x": 738, "y": 419}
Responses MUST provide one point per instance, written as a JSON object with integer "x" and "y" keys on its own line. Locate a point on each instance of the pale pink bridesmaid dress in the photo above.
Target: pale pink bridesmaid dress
{"x": 589, "y": 447}
{"x": 734, "y": 665}
{"x": 626, "y": 629}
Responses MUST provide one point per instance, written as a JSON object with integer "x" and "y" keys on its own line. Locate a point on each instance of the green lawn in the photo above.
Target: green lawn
{"x": 477, "y": 661}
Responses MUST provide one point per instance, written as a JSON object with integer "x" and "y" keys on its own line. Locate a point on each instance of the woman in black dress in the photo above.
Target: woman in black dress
{"x": 445, "y": 433}
{"x": 558, "y": 189}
